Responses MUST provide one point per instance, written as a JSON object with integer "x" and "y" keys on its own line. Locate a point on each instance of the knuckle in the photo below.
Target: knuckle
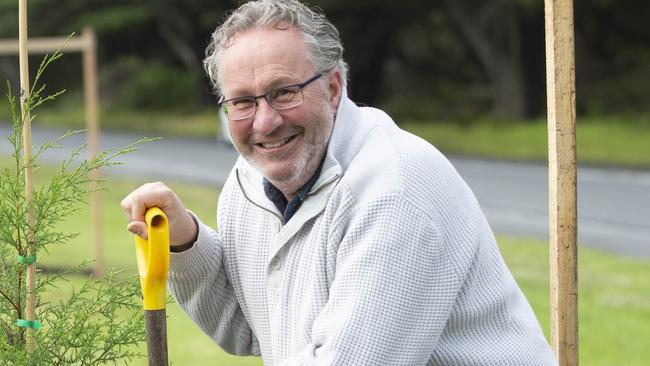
{"x": 125, "y": 203}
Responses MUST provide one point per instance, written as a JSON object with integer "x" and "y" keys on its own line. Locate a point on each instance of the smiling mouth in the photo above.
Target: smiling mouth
{"x": 276, "y": 144}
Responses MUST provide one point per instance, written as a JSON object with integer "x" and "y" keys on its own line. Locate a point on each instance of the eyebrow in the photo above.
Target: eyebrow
{"x": 275, "y": 84}
{"x": 279, "y": 83}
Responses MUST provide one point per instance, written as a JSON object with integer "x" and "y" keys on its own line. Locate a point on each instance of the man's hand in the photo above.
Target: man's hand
{"x": 183, "y": 229}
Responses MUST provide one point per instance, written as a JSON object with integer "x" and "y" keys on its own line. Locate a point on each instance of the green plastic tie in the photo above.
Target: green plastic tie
{"x": 27, "y": 260}
{"x": 34, "y": 324}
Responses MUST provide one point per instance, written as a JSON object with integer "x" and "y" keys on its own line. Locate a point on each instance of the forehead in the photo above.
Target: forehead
{"x": 262, "y": 58}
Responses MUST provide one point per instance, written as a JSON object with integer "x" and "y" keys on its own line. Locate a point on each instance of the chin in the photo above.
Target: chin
{"x": 287, "y": 179}
{"x": 283, "y": 175}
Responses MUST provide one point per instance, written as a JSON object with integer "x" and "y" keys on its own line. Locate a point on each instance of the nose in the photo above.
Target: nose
{"x": 267, "y": 119}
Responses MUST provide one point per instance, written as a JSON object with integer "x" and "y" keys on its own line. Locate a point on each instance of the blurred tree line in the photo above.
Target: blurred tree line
{"x": 420, "y": 59}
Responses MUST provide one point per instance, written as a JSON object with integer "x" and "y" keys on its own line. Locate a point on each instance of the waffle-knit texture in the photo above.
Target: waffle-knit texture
{"x": 389, "y": 261}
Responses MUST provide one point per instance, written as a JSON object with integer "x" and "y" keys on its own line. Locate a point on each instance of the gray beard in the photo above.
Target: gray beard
{"x": 305, "y": 167}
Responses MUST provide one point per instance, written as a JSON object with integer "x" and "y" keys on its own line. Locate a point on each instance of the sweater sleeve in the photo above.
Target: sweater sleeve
{"x": 199, "y": 283}
{"x": 393, "y": 290}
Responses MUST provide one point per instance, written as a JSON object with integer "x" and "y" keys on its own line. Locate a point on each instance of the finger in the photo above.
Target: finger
{"x": 138, "y": 208}
{"x": 126, "y": 206}
{"x": 138, "y": 228}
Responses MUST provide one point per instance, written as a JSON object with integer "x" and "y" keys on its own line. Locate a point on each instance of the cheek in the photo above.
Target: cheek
{"x": 238, "y": 131}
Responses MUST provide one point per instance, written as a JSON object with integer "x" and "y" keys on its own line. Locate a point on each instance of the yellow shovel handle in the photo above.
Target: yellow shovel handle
{"x": 153, "y": 259}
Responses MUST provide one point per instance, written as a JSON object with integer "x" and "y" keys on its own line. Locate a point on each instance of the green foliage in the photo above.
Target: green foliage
{"x": 621, "y": 92}
{"x": 112, "y": 18}
{"x": 98, "y": 323}
{"x": 423, "y": 55}
{"x": 155, "y": 86}
{"x": 84, "y": 328}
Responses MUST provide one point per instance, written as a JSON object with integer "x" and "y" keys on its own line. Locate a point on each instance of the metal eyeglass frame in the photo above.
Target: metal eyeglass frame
{"x": 268, "y": 99}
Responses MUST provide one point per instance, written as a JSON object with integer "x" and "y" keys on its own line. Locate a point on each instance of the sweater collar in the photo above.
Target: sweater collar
{"x": 288, "y": 209}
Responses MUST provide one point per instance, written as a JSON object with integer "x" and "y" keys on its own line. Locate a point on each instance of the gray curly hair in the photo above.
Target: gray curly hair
{"x": 320, "y": 36}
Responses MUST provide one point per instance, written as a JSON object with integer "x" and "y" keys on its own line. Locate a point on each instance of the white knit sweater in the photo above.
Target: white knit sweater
{"x": 389, "y": 261}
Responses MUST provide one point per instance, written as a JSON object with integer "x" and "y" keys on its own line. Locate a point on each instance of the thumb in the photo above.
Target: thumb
{"x": 138, "y": 228}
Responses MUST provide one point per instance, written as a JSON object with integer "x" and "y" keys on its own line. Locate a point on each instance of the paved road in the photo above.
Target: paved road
{"x": 613, "y": 204}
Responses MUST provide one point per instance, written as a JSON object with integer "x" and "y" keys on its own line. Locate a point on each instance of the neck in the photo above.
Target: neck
{"x": 290, "y": 189}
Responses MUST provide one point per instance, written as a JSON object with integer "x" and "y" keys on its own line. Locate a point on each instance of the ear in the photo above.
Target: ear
{"x": 335, "y": 89}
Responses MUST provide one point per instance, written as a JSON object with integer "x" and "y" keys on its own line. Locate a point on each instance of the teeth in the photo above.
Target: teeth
{"x": 271, "y": 145}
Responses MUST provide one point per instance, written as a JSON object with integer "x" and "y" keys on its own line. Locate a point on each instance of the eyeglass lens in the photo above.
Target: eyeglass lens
{"x": 280, "y": 99}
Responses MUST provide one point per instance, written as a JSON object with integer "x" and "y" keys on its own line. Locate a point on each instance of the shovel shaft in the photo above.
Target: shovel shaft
{"x": 153, "y": 262}
{"x": 156, "y": 325}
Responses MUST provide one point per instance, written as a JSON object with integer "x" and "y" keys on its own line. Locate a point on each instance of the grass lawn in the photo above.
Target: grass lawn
{"x": 203, "y": 123}
{"x": 613, "y": 299}
{"x": 608, "y": 140}
{"x": 614, "y": 291}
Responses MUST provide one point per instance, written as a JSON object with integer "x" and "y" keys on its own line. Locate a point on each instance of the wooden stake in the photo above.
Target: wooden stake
{"x": 44, "y": 45}
{"x": 560, "y": 78}
{"x": 92, "y": 127}
{"x": 27, "y": 157}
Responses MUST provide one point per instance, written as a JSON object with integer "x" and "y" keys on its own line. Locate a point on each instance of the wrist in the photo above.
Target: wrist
{"x": 177, "y": 248}
{"x": 180, "y": 248}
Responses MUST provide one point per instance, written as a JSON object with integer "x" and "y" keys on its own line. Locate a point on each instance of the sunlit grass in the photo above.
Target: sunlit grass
{"x": 608, "y": 140}
{"x": 613, "y": 299}
{"x": 201, "y": 123}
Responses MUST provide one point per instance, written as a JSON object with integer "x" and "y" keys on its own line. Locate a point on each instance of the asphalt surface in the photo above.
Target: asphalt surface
{"x": 613, "y": 204}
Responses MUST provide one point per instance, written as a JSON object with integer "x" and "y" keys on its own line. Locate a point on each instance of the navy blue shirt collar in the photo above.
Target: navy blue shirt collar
{"x": 288, "y": 209}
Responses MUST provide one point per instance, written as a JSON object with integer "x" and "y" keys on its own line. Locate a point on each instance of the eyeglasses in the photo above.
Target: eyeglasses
{"x": 280, "y": 99}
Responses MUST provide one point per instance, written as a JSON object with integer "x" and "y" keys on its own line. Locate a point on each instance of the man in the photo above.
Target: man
{"x": 342, "y": 239}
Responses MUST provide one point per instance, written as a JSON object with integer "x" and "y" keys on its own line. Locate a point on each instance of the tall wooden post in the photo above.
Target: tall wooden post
{"x": 560, "y": 78}
{"x": 29, "y": 172}
{"x": 92, "y": 127}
